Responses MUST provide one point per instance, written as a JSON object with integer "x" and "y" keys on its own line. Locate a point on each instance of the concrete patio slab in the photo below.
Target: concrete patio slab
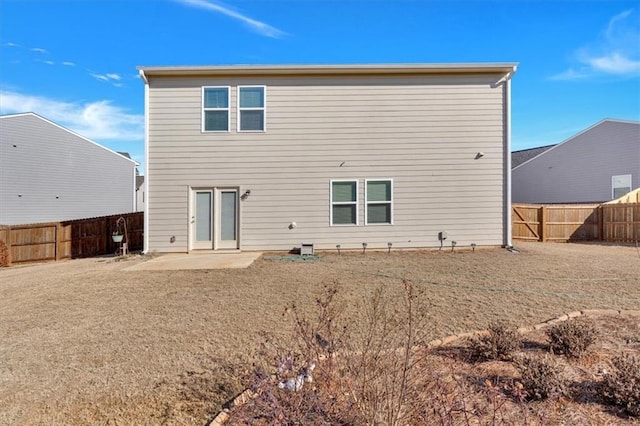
{"x": 184, "y": 261}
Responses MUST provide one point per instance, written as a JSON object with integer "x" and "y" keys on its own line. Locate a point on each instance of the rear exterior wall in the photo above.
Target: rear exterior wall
{"x": 423, "y": 132}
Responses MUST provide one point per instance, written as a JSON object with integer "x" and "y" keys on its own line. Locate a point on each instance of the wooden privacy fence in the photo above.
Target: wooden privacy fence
{"x": 69, "y": 239}
{"x": 590, "y": 222}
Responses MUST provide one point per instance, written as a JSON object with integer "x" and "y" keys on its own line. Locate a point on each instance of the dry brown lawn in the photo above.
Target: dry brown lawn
{"x": 85, "y": 341}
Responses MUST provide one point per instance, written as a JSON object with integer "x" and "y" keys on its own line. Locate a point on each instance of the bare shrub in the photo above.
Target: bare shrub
{"x": 364, "y": 374}
{"x": 572, "y": 338}
{"x": 622, "y": 384}
{"x": 501, "y": 342}
{"x": 383, "y": 364}
{"x": 541, "y": 378}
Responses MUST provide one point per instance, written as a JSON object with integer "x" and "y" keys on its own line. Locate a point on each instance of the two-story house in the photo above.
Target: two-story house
{"x": 268, "y": 157}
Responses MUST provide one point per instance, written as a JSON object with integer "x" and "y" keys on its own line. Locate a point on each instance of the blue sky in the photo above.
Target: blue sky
{"x": 74, "y": 62}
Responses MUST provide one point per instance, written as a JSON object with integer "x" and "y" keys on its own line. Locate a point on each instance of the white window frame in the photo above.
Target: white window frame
{"x": 263, "y": 109}
{"x": 343, "y": 203}
{"x": 366, "y": 202}
{"x": 228, "y": 109}
{"x": 613, "y": 188}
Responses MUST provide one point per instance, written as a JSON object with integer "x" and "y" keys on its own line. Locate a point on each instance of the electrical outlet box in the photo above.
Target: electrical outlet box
{"x": 442, "y": 235}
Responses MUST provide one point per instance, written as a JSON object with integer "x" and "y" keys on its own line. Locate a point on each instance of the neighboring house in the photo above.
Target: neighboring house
{"x": 140, "y": 193}
{"x": 49, "y": 173}
{"x": 596, "y": 165}
{"x": 139, "y": 187}
{"x": 519, "y": 157}
{"x": 269, "y": 157}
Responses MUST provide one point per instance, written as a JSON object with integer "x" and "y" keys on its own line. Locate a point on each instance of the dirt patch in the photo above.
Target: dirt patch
{"x": 85, "y": 341}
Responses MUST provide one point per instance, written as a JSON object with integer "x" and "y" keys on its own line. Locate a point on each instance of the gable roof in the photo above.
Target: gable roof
{"x": 33, "y": 114}
{"x": 519, "y": 157}
{"x": 550, "y": 148}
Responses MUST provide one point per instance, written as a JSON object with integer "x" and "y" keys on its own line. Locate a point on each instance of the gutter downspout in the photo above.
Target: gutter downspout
{"x": 507, "y": 162}
{"x": 145, "y": 246}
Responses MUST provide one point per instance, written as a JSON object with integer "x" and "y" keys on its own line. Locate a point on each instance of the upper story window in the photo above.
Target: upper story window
{"x": 379, "y": 201}
{"x": 215, "y": 109}
{"x": 344, "y": 202}
{"x": 620, "y": 185}
{"x": 252, "y": 108}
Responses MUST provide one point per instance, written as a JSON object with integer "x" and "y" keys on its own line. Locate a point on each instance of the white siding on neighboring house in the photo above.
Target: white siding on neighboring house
{"x": 423, "y": 132}
{"x": 48, "y": 173}
{"x": 584, "y": 168}
{"x": 140, "y": 193}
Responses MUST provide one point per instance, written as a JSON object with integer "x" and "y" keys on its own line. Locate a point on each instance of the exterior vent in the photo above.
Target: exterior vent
{"x": 306, "y": 249}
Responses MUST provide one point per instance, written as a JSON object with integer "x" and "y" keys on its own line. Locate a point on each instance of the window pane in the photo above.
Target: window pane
{"x": 251, "y": 120}
{"x": 203, "y": 216}
{"x": 619, "y": 192}
{"x": 251, "y": 97}
{"x": 216, "y": 120}
{"x": 379, "y": 213}
{"x": 379, "y": 190}
{"x": 216, "y": 97}
{"x": 344, "y": 192}
{"x": 344, "y": 215}
{"x": 228, "y": 215}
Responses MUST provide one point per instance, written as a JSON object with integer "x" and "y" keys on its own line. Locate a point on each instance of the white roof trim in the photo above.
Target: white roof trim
{"x": 33, "y": 114}
{"x": 359, "y": 69}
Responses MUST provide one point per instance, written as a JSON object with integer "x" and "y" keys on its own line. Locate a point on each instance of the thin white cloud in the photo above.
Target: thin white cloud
{"x": 99, "y": 77}
{"x": 99, "y": 120}
{"x": 571, "y": 74}
{"x": 615, "y": 63}
{"x": 615, "y": 52}
{"x": 258, "y": 26}
{"x": 112, "y": 78}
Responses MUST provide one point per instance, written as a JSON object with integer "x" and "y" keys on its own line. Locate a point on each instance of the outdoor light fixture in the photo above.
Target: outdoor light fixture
{"x": 473, "y": 246}
{"x": 479, "y": 155}
{"x": 364, "y": 247}
{"x": 338, "y": 247}
{"x": 389, "y": 245}
{"x": 453, "y": 245}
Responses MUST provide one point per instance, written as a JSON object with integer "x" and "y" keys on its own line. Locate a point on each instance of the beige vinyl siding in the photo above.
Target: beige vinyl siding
{"x": 421, "y": 131}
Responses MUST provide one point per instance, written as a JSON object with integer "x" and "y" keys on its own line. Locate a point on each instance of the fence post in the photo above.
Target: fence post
{"x": 8, "y": 244}
{"x": 58, "y": 237}
{"x": 600, "y": 211}
{"x": 543, "y": 224}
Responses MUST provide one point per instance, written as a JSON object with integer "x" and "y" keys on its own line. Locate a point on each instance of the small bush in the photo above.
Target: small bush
{"x": 622, "y": 384}
{"x": 502, "y": 341}
{"x": 541, "y": 378}
{"x": 572, "y": 338}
